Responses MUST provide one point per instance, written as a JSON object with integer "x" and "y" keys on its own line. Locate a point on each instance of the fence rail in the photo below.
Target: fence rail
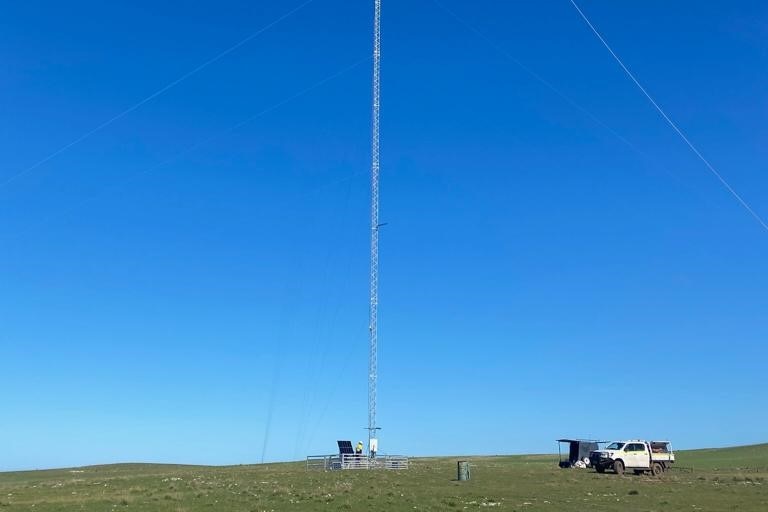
{"x": 323, "y": 462}
{"x": 396, "y": 462}
{"x": 356, "y": 462}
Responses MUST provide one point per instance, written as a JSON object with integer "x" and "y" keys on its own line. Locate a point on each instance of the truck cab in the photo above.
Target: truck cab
{"x": 633, "y": 455}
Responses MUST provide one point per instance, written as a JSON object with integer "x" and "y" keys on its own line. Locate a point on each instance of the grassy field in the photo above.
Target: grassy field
{"x": 715, "y": 480}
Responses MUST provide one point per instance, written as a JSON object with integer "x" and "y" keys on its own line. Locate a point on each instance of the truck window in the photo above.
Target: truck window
{"x": 615, "y": 446}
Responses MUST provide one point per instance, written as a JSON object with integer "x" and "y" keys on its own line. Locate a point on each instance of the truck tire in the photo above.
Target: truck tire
{"x": 618, "y": 467}
{"x": 656, "y": 469}
{"x": 600, "y": 469}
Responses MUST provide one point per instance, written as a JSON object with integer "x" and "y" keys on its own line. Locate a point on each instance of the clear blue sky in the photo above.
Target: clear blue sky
{"x": 173, "y": 289}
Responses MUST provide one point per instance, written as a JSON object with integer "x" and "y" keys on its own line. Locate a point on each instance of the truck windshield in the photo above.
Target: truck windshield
{"x": 615, "y": 446}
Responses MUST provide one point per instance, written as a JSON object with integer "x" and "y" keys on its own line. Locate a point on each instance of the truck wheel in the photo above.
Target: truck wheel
{"x": 600, "y": 469}
{"x": 656, "y": 469}
{"x": 618, "y": 467}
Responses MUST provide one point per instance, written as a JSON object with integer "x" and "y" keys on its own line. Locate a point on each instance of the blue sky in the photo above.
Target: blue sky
{"x": 182, "y": 284}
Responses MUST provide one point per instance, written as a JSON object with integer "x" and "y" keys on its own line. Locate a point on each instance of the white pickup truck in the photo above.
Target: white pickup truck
{"x": 633, "y": 455}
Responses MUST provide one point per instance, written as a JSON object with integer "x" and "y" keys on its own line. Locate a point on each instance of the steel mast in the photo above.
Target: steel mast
{"x": 374, "y": 291}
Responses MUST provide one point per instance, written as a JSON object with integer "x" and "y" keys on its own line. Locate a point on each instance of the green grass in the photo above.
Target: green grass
{"x": 742, "y": 457}
{"x": 721, "y": 480}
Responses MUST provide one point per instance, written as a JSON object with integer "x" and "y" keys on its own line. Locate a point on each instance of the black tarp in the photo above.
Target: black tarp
{"x": 578, "y": 449}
